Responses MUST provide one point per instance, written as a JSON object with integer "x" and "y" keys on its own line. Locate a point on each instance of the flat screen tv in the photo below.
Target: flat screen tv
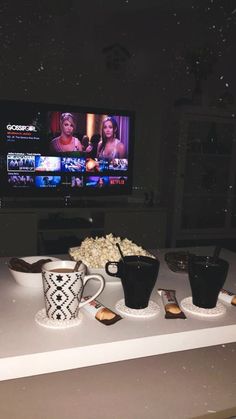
{"x": 54, "y": 150}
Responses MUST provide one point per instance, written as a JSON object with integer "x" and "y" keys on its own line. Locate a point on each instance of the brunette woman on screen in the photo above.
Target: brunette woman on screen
{"x": 66, "y": 141}
{"x": 110, "y": 147}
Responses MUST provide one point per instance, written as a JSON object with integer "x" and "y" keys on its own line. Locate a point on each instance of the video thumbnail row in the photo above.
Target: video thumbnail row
{"x": 15, "y": 180}
{"x": 19, "y": 162}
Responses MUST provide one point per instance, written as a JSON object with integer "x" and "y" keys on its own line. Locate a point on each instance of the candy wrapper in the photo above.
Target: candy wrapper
{"x": 227, "y": 297}
{"x": 100, "y": 312}
{"x": 172, "y": 308}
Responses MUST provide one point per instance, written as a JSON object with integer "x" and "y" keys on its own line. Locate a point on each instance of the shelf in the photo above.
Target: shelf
{"x": 74, "y": 228}
{"x": 55, "y": 230}
{"x": 58, "y": 241}
{"x": 199, "y": 154}
{"x": 65, "y": 224}
{"x": 57, "y": 221}
{"x": 201, "y": 194}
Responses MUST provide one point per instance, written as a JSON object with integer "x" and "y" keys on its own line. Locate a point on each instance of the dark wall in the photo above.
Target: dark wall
{"x": 124, "y": 54}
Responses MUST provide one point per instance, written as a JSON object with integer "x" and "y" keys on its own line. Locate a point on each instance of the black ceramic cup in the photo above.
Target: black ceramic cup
{"x": 206, "y": 277}
{"x": 138, "y": 276}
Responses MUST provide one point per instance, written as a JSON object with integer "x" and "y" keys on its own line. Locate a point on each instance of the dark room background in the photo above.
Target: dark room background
{"x": 146, "y": 56}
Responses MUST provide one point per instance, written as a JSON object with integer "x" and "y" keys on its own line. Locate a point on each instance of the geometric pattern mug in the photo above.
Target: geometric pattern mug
{"x": 63, "y": 289}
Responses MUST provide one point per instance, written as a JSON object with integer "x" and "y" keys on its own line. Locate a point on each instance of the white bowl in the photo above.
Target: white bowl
{"x": 108, "y": 278}
{"x": 100, "y": 271}
{"x": 30, "y": 279}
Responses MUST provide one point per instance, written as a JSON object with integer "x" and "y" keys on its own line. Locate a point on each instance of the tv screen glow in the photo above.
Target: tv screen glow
{"x": 60, "y": 150}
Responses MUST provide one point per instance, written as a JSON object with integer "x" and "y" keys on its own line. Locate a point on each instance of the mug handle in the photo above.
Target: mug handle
{"x": 102, "y": 285}
{"x": 111, "y": 264}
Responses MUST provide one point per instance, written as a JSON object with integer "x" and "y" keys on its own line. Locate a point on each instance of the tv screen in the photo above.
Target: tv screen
{"x": 59, "y": 150}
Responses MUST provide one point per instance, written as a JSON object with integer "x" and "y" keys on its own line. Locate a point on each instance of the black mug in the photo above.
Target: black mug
{"x": 206, "y": 276}
{"x": 138, "y": 276}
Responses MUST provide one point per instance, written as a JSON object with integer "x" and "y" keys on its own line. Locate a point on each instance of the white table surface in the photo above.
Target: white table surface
{"x": 180, "y": 385}
{"x": 28, "y": 349}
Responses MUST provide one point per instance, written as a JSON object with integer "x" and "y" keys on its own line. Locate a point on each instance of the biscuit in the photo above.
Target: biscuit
{"x": 233, "y": 302}
{"x": 173, "y": 308}
{"x": 101, "y": 313}
{"x": 105, "y": 314}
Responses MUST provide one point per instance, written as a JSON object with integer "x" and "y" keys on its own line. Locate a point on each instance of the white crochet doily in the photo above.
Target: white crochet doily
{"x": 188, "y": 306}
{"x": 42, "y": 319}
{"x": 151, "y": 310}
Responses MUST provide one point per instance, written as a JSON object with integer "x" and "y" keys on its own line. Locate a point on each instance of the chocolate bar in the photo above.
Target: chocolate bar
{"x": 21, "y": 265}
{"x": 101, "y": 313}
{"x": 172, "y": 308}
{"x": 227, "y": 296}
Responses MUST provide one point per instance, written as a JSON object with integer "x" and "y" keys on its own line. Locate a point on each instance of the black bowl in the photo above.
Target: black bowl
{"x": 177, "y": 261}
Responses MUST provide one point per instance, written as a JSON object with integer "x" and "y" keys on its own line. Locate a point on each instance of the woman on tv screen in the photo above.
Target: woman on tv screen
{"x": 66, "y": 141}
{"x": 110, "y": 147}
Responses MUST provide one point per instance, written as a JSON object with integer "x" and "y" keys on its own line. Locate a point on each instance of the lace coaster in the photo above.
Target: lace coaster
{"x": 151, "y": 310}
{"x": 42, "y": 319}
{"x": 188, "y": 306}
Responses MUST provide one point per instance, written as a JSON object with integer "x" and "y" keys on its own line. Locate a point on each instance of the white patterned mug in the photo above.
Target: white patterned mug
{"x": 63, "y": 288}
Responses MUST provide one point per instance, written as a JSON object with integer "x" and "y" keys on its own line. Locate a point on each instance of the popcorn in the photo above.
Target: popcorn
{"x": 96, "y": 252}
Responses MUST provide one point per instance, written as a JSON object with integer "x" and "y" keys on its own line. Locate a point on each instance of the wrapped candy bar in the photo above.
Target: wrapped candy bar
{"x": 100, "y": 312}
{"x": 172, "y": 308}
{"x": 227, "y": 296}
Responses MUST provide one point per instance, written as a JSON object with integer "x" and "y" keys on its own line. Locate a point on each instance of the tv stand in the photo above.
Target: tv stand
{"x": 53, "y": 229}
{"x": 67, "y": 201}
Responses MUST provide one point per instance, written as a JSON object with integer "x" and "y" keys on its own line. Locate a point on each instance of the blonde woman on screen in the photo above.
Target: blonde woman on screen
{"x": 66, "y": 141}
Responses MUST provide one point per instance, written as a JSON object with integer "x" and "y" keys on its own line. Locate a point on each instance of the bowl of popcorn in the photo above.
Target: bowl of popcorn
{"x": 27, "y": 271}
{"x": 96, "y": 252}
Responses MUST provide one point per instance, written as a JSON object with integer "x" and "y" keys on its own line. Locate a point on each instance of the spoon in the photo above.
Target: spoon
{"x": 77, "y": 265}
{"x": 121, "y": 254}
{"x": 216, "y": 254}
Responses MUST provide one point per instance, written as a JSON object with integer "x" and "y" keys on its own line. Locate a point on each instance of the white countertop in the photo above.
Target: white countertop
{"x": 28, "y": 349}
